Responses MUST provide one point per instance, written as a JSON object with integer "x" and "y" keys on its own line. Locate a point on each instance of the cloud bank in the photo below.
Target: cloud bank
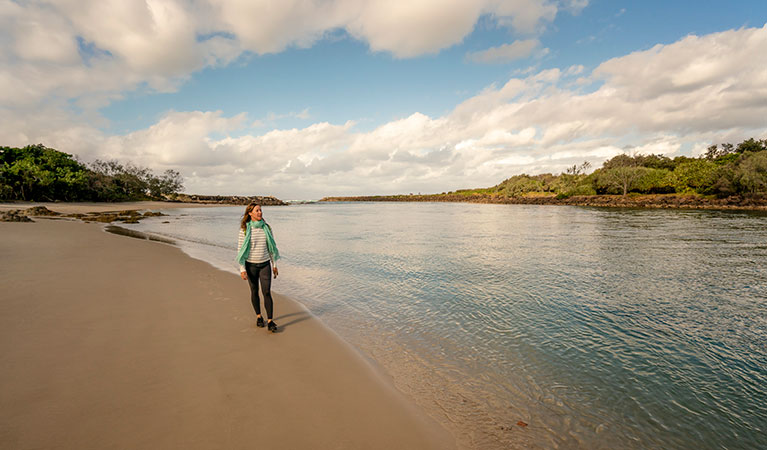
{"x": 670, "y": 99}
{"x": 94, "y": 50}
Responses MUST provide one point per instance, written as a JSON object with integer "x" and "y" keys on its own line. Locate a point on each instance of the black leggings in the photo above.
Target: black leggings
{"x": 260, "y": 271}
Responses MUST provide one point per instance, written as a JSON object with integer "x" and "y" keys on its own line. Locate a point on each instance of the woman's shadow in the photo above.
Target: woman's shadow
{"x": 297, "y": 317}
{"x": 300, "y": 316}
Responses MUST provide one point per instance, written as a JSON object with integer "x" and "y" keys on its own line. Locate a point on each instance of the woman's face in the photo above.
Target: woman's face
{"x": 256, "y": 214}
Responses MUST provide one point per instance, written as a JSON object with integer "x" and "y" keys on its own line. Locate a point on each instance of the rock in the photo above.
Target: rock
{"x": 14, "y": 215}
{"x": 40, "y": 211}
{"x": 103, "y": 218}
{"x": 153, "y": 214}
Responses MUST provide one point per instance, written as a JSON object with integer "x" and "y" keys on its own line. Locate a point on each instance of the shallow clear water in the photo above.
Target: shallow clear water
{"x": 599, "y": 328}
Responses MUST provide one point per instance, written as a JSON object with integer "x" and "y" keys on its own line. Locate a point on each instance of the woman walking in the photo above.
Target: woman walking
{"x": 256, "y": 256}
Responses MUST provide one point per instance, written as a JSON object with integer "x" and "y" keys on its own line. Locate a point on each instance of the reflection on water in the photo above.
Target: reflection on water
{"x": 600, "y": 328}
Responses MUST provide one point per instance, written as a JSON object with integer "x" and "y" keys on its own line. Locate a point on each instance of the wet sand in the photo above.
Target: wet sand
{"x": 113, "y": 342}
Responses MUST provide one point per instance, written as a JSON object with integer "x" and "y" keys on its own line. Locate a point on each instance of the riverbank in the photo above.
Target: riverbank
{"x": 614, "y": 201}
{"x": 109, "y": 341}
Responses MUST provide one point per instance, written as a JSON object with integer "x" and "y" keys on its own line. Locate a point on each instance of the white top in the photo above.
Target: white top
{"x": 258, "y": 250}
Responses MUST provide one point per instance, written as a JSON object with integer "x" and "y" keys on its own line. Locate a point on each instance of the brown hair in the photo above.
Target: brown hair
{"x": 246, "y": 216}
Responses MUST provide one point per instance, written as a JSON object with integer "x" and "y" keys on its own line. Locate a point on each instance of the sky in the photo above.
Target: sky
{"x": 302, "y": 99}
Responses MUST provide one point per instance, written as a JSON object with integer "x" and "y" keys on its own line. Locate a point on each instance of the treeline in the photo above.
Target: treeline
{"x": 39, "y": 173}
{"x": 724, "y": 170}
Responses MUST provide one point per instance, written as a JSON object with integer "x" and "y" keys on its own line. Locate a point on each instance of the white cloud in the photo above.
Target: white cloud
{"x": 576, "y": 6}
{"x": 574, "y": 70}
{"x": 271, "y": 117}
{"x": 524, "y": 16}
{"x": 505, "y": 53}
{"x": 71, "y": 49}
{"x": 662, "y": 145}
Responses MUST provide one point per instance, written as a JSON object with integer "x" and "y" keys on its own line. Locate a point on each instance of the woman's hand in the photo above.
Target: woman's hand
{"x": 276, "y": 272}
{"x": 243, "y": 275}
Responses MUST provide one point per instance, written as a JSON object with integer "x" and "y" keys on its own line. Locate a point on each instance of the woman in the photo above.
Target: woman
{"x": 256, "y": 255}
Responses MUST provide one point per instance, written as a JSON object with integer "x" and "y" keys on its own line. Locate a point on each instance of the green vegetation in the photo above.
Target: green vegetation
{"x": 726, "y": 176}
{"x": 38, "y": 173}
{"x": 724, "y": 170}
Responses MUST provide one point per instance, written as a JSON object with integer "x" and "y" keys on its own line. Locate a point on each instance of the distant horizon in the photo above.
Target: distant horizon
{"x": 354, "y": 98}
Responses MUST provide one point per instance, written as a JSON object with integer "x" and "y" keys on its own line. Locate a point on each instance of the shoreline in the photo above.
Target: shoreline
{"x": 643, "y": 201}
{"x": 650, "y": 201}
{"x": 111, "y": 351}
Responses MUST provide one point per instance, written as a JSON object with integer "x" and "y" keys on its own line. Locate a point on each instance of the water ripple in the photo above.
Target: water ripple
{"x": 600, "y": 328}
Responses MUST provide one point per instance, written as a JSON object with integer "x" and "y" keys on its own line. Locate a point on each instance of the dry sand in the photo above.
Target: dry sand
{"x": 114, "y": 342}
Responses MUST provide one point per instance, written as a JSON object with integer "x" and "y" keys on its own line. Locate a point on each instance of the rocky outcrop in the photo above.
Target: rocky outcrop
{"x": 40, "y": 211}
{"x": 14, "y": 215}
{"x": 227, "y": 199}
{"x": 125, "y": 216}
{"x": 22, "y": 215}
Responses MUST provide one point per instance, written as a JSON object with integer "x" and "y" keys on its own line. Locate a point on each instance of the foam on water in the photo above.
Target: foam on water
{"x": 600, "y": 328}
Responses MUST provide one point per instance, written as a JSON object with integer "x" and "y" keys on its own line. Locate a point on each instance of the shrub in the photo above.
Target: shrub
{"x": 519, "y": 185}
{"x": 655, "y": 181}
{"x": 751, "y": 174}
{"x": 695, "y": 175}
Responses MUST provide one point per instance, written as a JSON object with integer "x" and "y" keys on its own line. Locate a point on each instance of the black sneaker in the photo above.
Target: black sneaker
{"x": 260, "y": 322}
{"x": 272, "y": 327}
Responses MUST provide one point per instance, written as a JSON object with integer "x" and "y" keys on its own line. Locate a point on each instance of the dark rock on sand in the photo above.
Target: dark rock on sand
{"x": 40, "y": 211}
{"x": 15, "y": 215}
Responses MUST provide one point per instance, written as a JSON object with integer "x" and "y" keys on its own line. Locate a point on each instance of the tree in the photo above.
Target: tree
{"x": 655, "y": 162}
{"x": 622, "y": 178}
{"x": 622, "y": 160}
{"x": 36, "y": 172}
{"x": 620, "y": 173}
{"x": 697, "y": 175}
{"x": 170, "y": 183}
{"x": 751, "y": 145}
{"x": 751, "y": 174}
{"x": 573, "y": 181}
{"x": 655, "y": 181}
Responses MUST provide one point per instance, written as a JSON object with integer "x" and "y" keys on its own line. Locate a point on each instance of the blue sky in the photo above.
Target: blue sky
{"x": 333, "y": 78}
{"x": 306, "y": 99}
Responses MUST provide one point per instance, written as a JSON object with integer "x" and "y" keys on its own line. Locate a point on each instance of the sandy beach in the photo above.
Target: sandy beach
{"x": 115, "y": 342}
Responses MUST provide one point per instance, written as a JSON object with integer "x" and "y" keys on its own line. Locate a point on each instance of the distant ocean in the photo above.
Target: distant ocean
{"x": 598, "y": 328}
